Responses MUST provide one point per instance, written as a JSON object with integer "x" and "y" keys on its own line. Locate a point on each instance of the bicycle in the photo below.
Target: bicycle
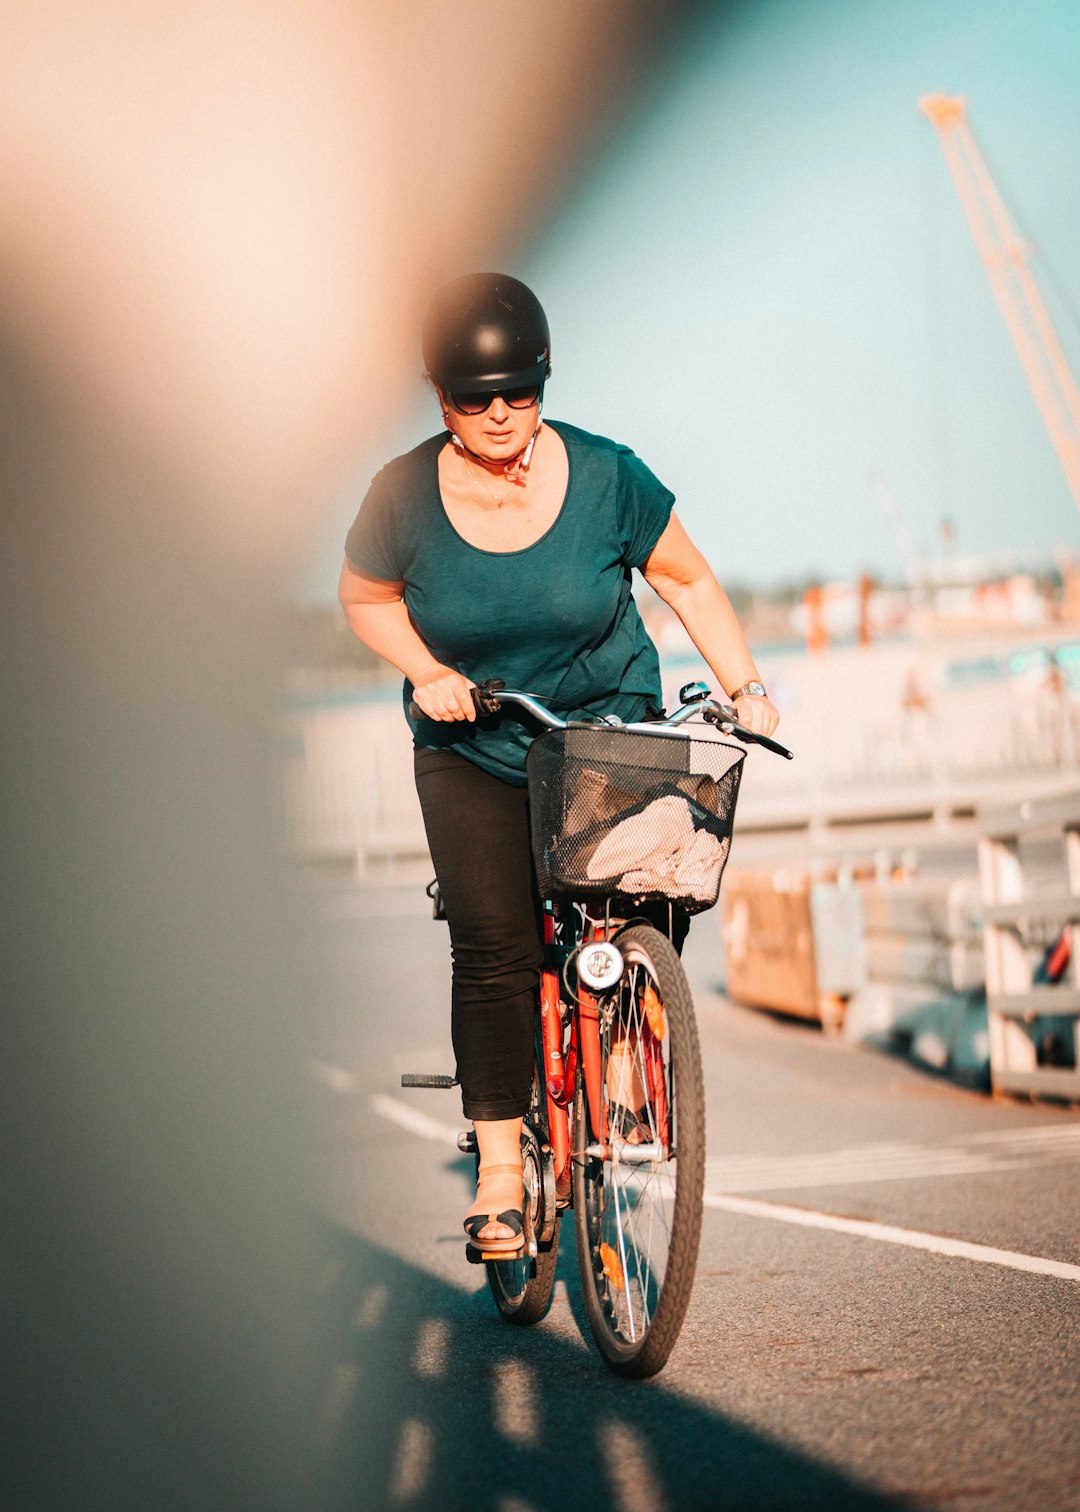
{"x": 616, "y": 1126}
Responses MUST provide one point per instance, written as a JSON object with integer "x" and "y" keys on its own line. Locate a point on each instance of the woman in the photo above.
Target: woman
{"x": 504, "y": 548}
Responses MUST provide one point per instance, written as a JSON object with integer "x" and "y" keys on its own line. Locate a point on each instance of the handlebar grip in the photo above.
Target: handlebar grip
{"x": 485, "y": 697}
{"x": 771, "y": 745}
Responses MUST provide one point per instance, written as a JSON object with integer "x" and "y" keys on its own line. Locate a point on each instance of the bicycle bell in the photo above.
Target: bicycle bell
{"x": 599, "y": 965}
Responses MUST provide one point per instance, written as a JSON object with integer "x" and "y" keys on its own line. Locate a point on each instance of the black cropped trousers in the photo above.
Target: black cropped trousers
{"x": 478, "y": 833}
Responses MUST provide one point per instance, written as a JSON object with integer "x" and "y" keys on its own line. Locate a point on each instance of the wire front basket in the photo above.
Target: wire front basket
{"x": 618, "y": 812}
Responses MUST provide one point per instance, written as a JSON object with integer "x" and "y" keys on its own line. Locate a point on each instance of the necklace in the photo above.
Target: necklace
{"x": 498, "y": 499}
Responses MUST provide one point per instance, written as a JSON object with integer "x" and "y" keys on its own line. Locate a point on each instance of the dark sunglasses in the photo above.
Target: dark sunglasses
{"x": 476, "y": 404}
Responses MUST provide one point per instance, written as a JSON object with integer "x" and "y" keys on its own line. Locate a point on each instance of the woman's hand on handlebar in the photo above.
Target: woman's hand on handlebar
{"x": 757, "y": 714}
{"x": 445, "y": 695}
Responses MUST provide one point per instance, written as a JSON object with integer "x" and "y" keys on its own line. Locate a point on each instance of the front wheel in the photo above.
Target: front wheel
{"x": 639, "y": 1177}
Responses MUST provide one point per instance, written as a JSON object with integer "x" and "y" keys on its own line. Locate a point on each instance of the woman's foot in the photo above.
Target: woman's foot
{"x": 499, "y": 1202}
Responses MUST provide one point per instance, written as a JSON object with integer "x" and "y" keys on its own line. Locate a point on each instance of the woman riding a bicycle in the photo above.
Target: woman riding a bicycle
{"x": 504, "y": 547}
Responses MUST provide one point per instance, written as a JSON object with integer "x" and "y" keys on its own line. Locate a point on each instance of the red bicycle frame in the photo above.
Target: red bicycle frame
{"x": 562, "y": 1057}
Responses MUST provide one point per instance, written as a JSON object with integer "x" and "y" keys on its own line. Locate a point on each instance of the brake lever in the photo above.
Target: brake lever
{"x": 485, "y": 696}
{"x": 727, "y": 722}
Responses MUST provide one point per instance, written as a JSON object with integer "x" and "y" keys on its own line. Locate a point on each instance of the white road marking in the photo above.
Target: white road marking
{"x": 1063, "y": 1133}
{"x": 863, "y": 1164}
{"x": 967, "y": 1155}
{"x": 412, "y": 1119}
{"x": 334, "y": 1077}
{"x": 885, "y": 1233}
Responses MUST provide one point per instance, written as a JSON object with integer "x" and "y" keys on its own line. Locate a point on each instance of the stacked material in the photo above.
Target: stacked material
{"x": 925, "y": 932}
{"x": 793, "y": 944}
{"x": 1029, "y": 861}
{"x": 925, "y": 973}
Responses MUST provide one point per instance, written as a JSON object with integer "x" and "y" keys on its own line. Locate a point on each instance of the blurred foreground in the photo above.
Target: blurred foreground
{"x": 219, "y": 225}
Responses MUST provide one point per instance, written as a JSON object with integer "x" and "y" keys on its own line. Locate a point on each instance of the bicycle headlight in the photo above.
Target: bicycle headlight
{"x": 599, "y": 965}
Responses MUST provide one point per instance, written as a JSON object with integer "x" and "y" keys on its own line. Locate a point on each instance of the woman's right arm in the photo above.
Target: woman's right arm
{"x": 376, "y": 614}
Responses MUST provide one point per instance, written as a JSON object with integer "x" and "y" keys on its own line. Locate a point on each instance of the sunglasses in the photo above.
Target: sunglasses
{"x": 476, "y": 404}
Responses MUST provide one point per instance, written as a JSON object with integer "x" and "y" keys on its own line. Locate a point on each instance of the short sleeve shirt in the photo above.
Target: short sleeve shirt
{"x": 556, "y": 619}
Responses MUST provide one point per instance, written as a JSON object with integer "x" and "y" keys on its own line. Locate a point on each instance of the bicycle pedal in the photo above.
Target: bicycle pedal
{"x": 427, "y": 1079}
{"x": 466, "y": 1142}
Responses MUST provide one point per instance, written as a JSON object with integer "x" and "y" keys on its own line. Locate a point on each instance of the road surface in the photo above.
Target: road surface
{"x": 887, "y": 1305}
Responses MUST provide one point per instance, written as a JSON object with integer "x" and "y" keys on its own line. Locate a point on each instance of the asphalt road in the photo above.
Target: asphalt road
{"x": 819, "y": 1366}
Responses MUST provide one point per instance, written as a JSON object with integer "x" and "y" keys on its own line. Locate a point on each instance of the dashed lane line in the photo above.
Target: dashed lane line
{"x": 412, "y": 1119}
{"x": 965, "y": 1155}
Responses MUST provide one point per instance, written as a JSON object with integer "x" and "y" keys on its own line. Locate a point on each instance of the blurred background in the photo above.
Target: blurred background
{"x": 821, "y": 278}
{"x": 219, "y": 231}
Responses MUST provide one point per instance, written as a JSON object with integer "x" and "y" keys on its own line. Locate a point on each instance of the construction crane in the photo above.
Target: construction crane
{"x": 1006, "y": 259}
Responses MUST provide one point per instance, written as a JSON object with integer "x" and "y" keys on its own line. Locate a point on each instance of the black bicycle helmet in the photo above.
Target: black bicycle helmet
{"x": 484, "y": 332}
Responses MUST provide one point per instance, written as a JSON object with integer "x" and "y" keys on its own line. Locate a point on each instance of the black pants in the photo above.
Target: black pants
{"x": 478, "y": 832}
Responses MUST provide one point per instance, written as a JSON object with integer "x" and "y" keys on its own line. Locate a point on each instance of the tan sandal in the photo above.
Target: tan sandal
{"x": 512, "y": 1218}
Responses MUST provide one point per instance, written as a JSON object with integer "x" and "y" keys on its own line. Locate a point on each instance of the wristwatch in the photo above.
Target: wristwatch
{"x": 749, "y": 690}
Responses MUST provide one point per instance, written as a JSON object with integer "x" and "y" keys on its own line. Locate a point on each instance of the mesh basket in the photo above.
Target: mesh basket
{"x": 644, "y": 816}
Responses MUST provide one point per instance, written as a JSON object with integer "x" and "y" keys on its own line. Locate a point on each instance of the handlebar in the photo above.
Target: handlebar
{"x": 489, "y": 697}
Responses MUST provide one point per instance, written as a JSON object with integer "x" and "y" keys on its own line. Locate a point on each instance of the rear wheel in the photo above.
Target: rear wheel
{"x": 522, "y": 1287}
{"x": 639, "y": 1178}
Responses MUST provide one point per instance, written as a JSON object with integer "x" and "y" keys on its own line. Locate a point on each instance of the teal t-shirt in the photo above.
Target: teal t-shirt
{"x": 556, "y": 619}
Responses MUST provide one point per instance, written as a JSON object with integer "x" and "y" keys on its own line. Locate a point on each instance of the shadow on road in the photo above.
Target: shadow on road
{"x": 436, "y": 1403}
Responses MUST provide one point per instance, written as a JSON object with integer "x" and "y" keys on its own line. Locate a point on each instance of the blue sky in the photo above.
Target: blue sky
{"x": 766, "y": 285}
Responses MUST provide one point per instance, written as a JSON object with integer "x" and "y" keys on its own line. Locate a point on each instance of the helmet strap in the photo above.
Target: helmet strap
{"x": 518, "y": 466}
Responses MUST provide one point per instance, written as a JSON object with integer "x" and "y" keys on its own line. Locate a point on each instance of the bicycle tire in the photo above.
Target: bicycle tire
{"x": 522, "y": 1287}
{"x": 638, "y": 1221}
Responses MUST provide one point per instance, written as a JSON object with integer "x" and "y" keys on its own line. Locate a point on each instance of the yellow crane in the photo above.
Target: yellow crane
{"x": 1007, "y": 260}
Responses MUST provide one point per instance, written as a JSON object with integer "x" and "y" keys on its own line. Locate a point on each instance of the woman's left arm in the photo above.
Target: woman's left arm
{"x": 683, "y": 578}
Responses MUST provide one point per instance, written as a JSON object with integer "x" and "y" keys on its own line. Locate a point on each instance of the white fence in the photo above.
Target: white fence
{"x": 905, "y": 730}
{"x": 896, "y": 730}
